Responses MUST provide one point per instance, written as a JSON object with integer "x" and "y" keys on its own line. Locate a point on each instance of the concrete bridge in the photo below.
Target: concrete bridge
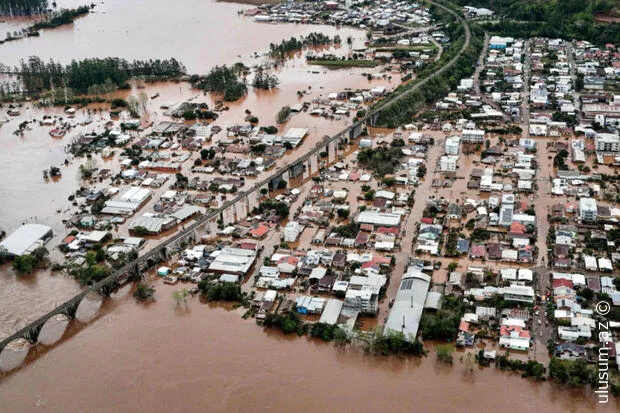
{"x": 237, "y": 209}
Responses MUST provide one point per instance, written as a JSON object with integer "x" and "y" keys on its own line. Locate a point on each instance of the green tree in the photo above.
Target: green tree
{"x": 180, "y": 296}
{"x": 144, "y": 292}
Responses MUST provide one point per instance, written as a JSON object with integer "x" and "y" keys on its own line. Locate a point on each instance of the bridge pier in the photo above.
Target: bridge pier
{"x": 314, "y": 162}
{"x": 332, "y": 152}
{"x": 356, "y": 131}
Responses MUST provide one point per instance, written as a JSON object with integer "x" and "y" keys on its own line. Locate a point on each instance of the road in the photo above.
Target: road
{"x": 525, "y": 93}
{"x": 480, "y": 65}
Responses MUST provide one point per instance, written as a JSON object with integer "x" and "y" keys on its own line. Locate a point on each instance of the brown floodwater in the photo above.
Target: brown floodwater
{"x": 160, "y": 357}
{"x": 194, "y": 358}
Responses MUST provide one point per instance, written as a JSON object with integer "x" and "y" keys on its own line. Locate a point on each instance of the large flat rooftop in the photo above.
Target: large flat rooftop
{"x": 26, "y": 238}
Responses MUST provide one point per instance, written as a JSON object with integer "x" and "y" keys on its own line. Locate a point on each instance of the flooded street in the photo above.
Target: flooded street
{"x": 196, "y": 358}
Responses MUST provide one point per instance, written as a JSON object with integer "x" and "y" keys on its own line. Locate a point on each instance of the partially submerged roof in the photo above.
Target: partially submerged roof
{"x": 26, "y": 238}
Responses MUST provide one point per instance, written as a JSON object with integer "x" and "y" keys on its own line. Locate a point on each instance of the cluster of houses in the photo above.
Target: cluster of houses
{"x": 574, "y": 314}
{"x": 349, "y": 12}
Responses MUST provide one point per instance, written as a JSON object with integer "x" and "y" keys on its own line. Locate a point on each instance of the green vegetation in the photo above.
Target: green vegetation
{"x": 287, "y": 47}
{"x": 444, "y": 353}
{"x": 324, "y": 331}
{"x": 91, "y": 274}
{"x": 442, "y": 325}
{"x": 180, "y": 296}
{"x": 349, "y": 230}
{"x": 403, "y": 110}
{"x": 270, "y": 130}
{"x": 568, "y": 19}
{"x": 280, "y": 208}
{"x": 221, "y": 79}
{"x": 559, "y": 160}
{"x": 144, "y": 292}
{"x": 575, "y": 373}
{"x": 207, "y": 154}
{"x": 29, "y": 262}
{"x": 38, "y": 76}
{"x": 378, "y": 343}
{"x": 288, "y": 323}
{"x": 343, "y": 213}
{"x": 22, "y": 7}
{"x": 264, "y": 81}
{"x": 382, "y": 161}
{"x": 220, "y": 291}
{"x": 60, "y": 18}
{"x": 479, "y": 235}
{"x": 343, "y": 63}
{"x": 283, "y": 114}
{"x": 530, "y": 369}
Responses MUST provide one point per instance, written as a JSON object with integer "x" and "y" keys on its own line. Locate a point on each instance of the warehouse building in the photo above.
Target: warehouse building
{"x": 26, "y": 239}
{"x": 408, "y": 304}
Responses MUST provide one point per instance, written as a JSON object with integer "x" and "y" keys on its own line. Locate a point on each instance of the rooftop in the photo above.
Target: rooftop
{"x": 26, "y": 238}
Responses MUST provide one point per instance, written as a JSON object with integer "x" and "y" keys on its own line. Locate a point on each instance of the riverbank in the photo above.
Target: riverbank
{"x": 343, "y": 63}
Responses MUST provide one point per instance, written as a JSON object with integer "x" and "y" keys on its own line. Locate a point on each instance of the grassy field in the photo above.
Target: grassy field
{"x": 343, "y": 63}
{"x": 414, "y": 48}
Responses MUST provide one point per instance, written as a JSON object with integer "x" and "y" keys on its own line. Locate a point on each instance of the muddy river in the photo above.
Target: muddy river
{"x": 161, "y": 357}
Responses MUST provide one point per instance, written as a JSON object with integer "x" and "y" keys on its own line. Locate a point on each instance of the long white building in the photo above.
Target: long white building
{"x": 408, "y": 304}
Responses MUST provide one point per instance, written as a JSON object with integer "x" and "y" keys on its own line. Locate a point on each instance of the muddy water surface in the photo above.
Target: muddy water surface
{"x": 194, "y": 358}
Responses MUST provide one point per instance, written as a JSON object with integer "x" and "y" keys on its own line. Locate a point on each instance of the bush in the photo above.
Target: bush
{"x": 220, "y": 291}
{"x": 288, "y": 323}
{"x": 343, "y": 213}
{"x": 140, "y": 231}
{"x": 283, "y": 114}
{"x": 144, "y": 292}
{"x": 444, "y": 353}
{"x": 270, "y": 130}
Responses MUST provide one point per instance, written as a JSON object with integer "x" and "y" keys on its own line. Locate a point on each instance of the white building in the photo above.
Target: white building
{"x": 607, "y": 142}
{"x": 291, "y": 231}
{"x": 26, "y": 239}
{"x": 472, "y": 136}
{"x": 452, "y": 145}
{"x": 408, "y": 304}
{"x": 232, "y": 260}
{"x": 447, "y": 163}
{"x": 588, "y": 209}
{"x": 364, "y": 300}
{"x": 378, "y": 218}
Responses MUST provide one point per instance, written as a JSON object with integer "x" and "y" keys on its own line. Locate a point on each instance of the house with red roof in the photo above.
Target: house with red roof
{"x": 514, "y": 337}
{"x": 517, "y": 228}
{"x": 478, "y": 251}
{"x": 288, "y": 264}
{"x": 260, "y": 231}
{"x": 388, "y": 231}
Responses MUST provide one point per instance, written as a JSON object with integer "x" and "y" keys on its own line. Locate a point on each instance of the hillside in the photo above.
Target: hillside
{"x": 569, "y": 19}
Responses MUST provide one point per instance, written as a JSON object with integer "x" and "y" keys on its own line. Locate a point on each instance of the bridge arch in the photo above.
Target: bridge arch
{"x": 88, "y": 307}
{"x": 53, "y": 329}
{"x": 14, "y": 354}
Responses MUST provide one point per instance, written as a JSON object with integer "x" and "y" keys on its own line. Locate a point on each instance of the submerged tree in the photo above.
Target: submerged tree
{"x": 263, "y": 80}
{"x": 144, "y": 292}
{"x": 180, "y": 296}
